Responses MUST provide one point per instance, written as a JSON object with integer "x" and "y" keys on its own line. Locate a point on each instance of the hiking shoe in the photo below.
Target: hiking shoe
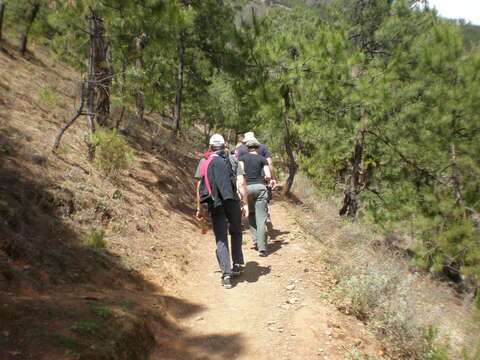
{"x": 237, "y": 270}
{"x": 263, "y": 253}
{"x": 226, "y": 283}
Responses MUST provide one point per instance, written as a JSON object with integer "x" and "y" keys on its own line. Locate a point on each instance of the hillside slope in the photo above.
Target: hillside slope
{"x": 59, "y": 295}
{"x": 153, "y": 291}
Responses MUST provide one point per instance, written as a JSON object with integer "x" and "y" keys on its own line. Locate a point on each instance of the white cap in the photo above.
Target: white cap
{"x": 249, "y": 136}
{"x": 217, "y": 140}
{"x": 252, "y": 142}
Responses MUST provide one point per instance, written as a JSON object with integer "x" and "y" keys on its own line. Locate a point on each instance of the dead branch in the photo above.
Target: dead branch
{"x": 70, "y": 122}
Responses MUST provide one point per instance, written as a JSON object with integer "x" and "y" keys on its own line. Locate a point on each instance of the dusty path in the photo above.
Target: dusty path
{"x": 278, "y": 309}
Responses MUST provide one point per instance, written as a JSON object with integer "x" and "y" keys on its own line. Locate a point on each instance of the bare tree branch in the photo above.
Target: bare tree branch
{"x": 69, "y": 123}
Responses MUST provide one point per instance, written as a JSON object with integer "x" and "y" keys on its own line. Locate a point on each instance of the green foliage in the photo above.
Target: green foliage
{"x": 112, "y": 153}
{"x": 404, "y": 79}
{"x": 471, "y": 35}
{"x": 96, "y": 240}
{"x": 473, "y": 353}
{"x": 17, "y": 13}
{"x": 434, "y": 351}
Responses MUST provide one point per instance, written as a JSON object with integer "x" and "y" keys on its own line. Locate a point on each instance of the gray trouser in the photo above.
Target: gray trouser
{"x": 257, "y": 207}
{"x": 228, "y": 218}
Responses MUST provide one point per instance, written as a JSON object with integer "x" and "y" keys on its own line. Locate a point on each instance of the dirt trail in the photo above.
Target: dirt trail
{"x": 277, "y": 309}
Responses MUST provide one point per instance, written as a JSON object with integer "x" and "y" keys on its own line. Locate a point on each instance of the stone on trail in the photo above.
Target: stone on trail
{"x": 292, "y": 300}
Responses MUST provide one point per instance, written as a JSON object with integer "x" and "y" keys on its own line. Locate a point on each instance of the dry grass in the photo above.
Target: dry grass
{"x": 142, "y": 210}
{"x": 53, "y": 208}
{"x": 379, "y": 286}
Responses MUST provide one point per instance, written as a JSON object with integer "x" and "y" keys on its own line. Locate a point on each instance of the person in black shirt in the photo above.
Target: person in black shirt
{"x": 265, "y": 152}
{"x": 257, "y": 175}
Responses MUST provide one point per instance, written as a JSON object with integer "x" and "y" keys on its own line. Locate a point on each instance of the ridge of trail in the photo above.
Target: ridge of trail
{"x": 277, "y": 309}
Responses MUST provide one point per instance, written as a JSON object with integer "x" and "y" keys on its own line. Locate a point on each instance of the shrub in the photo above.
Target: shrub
{"x": 434, "y": 351}
{"x": 112, "y": 153}
{"x": 84, "y": 327}
{"x": 96, "y": 240}
{"x": 48, "y": 96}
{"x": 361, "y": 294}
{"x": 101, "y": 311}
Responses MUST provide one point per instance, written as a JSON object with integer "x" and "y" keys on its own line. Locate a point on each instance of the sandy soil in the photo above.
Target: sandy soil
{"x": 277, "y": 309}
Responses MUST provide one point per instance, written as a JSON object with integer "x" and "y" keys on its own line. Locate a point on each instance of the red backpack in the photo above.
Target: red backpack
{"x": 205, "y": 190}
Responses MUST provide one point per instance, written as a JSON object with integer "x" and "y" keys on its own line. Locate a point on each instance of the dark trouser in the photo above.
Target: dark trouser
{"x": 228, "y": 215}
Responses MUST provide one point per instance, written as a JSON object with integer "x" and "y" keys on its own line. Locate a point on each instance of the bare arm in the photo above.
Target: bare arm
{"x": 199, "y": 213}
{"x": 270, "y": 166}
{"x": 273, "y": 181}
{"x": 267, "y": 172}
{"x": 242, "y": 189}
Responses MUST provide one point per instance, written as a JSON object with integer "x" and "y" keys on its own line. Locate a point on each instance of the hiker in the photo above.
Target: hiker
{"x": 262, "y": 150}
{"x": 219, "y": 175}
{"x": 265, "y": 152}
{"x": 257, "y": 174}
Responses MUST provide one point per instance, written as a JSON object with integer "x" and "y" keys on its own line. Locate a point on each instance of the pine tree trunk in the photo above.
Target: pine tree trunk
{"x": 350, "y": 204}
{"x": 139, "y": 96}
{"x": 287, "y": 141}
{"x": 292, "y": 165}
{"x": 455, "y": 174}
{"x": 90, "y": 92}
{"x": 2, "y": 11}
{"x": 101, "y": 70}
{"x": 30, "y": 19}
{"x": 456, "y": 180}
{"x": 90, "y": 95}
{"x": 177, "y": 115}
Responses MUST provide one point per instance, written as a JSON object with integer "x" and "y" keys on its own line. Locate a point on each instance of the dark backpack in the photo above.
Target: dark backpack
{"x": 205, "y": 190}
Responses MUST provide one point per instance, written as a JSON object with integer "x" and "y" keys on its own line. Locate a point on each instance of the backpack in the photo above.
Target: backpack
{"x": 205, "y": 190}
